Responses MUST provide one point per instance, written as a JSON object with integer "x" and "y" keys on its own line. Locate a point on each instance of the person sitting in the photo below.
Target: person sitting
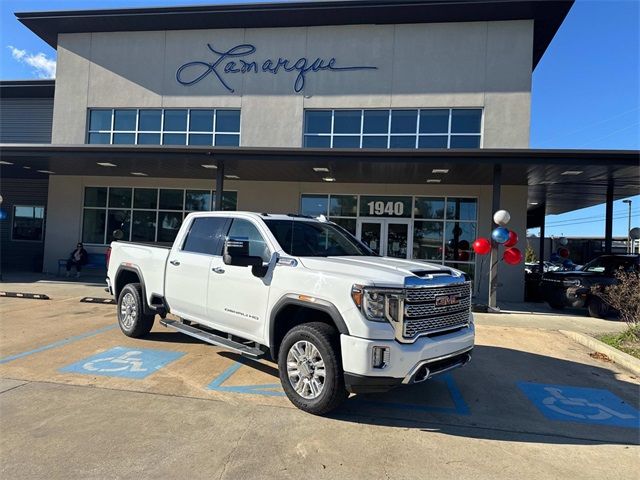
{"x": 78, "y": 258}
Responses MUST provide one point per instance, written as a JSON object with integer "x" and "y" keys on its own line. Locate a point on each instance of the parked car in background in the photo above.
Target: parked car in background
{"x": 578, "y": 288}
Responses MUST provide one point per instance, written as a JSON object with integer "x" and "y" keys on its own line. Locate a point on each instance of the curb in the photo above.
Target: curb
{"x": 36, "y": 296}
{"x": 623, "y": 359}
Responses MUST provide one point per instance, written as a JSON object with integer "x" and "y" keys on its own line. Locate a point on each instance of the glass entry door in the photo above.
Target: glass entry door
{"x": 386, "y": 237}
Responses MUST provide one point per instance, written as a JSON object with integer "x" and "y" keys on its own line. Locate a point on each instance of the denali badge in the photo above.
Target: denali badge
{"x": 445, "y": 300}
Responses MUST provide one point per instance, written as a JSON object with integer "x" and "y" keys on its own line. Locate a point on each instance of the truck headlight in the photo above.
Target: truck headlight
{"x": 574, "y": 282}
{"x": 377, "y": 304}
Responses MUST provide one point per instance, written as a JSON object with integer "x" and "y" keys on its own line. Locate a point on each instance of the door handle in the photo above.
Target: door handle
{"x": 217, "y": 270}
{"x": 174, "y": 262}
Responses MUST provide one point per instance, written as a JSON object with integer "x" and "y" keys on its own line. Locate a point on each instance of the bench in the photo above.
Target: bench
{"x": 95, "y": 261}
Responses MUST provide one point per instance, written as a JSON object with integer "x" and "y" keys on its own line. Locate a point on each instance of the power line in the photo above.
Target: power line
{"x": 594, "y": 217}
{"x": 589, "y": 221}
{"x": 599, "y": 122}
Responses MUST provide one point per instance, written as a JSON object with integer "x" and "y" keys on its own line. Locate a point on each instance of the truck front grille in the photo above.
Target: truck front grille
{"x": 438, "y": 309}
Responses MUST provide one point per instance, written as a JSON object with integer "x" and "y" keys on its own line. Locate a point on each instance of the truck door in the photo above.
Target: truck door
{"x": 188, "y": 267}
{"x": 237, "y": 300}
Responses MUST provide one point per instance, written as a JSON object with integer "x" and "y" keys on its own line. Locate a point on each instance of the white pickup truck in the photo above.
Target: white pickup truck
{"x": 303, "y": 292}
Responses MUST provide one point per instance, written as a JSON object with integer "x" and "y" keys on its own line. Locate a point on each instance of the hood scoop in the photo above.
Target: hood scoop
{"x": 431, "y": 273}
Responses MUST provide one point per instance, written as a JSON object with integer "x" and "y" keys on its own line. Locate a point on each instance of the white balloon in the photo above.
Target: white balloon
{"x": 634, "y": 233}
{"x": 501, "y": 217}
{"x": 563, "y": 241}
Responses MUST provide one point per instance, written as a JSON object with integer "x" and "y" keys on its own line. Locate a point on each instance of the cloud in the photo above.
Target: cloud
{"x": 42, "y": 66}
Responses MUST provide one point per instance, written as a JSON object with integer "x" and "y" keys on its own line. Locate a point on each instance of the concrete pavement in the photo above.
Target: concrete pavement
{"x": 68, "y": 411}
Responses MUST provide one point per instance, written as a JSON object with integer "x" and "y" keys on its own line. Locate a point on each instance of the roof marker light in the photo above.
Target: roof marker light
{"x": 321, "y": 169}
{"x": 572, "y": 172}
{"x": 433, "y": 180}
{"x": 440, "y": 170}
{"x": 139, "y": 174}
{"x": 328, "y": 179}
{"x": 106, "y": 164}
{"x": 209, "y": 166}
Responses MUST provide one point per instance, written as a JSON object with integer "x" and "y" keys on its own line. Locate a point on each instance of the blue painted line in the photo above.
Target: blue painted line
{"x": 458, "y": 400}
{"x": 59, "y": 343}
{"x": 460, "y": 407}
{"x": 217, "y": 382}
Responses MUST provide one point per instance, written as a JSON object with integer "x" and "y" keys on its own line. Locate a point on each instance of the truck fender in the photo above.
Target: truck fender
{"x": 134, "y": 269}
{"x": 318, "y": 304}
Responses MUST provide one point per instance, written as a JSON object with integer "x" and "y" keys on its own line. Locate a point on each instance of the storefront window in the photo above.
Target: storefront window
{"x": 343, "y": 206}
{"x": 143, "y": 214}
{"x": 164, "y": 126}
{"x": 314, "y": 205}
{"x": 28, "y": 223}
{"x": 397, "y": 128}
{"x": 427, "y": 240}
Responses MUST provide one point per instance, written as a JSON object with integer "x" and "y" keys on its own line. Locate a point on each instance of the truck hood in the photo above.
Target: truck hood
{"x": 383, "y": 270}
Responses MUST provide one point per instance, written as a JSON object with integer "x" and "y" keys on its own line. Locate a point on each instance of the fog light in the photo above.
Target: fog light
{"x": 381, "y": 356}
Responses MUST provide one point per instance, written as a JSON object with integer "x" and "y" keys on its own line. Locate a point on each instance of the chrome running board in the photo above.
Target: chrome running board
{"x": 213, "y": 339}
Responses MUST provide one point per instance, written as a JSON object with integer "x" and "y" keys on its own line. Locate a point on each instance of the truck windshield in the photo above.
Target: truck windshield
{"x": 315, "y": 239}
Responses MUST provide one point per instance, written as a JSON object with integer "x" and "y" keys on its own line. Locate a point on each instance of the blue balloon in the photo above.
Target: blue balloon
{"x": 567, "y": 263}
{"x": 3, "y": 214}
{"x": 554, "y": 257}
{"x": 500, "y": 235}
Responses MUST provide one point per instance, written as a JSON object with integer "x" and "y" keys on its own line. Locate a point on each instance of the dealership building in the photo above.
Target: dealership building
{"x": 405, "y": 122}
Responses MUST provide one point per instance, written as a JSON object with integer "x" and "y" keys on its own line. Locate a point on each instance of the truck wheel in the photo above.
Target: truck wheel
{"x": 597, "y": 308}
{"x": 131, "y": 317}
{"x": 555, "y": 301}
{"x": 311, "y": 369}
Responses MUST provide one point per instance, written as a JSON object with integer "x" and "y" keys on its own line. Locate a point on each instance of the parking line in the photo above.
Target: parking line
{"x": 59, "y": 343}
{"x": 216, "y": 384}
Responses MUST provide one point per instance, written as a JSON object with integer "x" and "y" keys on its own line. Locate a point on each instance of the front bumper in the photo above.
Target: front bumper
{"x": 408, "y": 363}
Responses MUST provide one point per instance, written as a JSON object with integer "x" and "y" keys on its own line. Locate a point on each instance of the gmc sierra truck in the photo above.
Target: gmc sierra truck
{"x": 302, "y": 292}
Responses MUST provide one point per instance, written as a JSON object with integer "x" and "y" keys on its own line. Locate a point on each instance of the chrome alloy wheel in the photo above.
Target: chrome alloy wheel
{"x": 128, "y": 311}
{"x": 305, "y": 369}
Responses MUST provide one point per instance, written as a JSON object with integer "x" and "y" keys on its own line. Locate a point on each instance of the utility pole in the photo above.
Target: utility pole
{"x": 629, "y": 249}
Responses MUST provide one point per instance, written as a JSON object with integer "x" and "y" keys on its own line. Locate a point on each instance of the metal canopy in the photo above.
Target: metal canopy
{"x": 548, "y": 15}
{"x": 546, "y": 172}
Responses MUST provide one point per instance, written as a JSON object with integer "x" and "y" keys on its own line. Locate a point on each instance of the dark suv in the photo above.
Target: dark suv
{"x": 575, "y": 288}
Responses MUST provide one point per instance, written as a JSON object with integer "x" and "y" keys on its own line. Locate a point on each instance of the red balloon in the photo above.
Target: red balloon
{"x": 512, "y": 256}
{"x": 513, "y": 239}
{"x": 481, "y": 246}
{"x": 563, "y": 252}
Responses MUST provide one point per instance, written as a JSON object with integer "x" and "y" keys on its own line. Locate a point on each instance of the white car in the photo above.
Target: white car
{"x": 302, "y": 292}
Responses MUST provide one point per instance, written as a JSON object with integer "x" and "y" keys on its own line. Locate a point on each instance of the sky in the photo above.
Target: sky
{"x": 585, "y": 91}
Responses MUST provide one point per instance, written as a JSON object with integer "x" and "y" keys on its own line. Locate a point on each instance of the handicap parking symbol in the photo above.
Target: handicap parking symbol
{"x": 583, "y": 405}
{"x": 124, "y": 362}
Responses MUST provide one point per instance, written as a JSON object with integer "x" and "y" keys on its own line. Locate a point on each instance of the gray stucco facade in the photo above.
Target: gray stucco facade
{"x": 473, "y": 64}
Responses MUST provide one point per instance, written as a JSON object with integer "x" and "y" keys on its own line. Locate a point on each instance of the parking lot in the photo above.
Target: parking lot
{"x": 81, "y": 400}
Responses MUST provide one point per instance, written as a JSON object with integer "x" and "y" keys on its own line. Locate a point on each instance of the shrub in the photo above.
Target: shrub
{"x": 624, "y": 296}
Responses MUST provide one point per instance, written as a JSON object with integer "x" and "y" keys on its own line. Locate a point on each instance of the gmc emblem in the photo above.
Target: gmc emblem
{"x": 446, "y": 300}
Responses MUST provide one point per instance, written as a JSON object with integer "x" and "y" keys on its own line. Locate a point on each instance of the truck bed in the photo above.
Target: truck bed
{"x": 149, "y": 258}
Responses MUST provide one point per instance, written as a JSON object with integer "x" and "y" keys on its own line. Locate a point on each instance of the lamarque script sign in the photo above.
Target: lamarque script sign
{"x": 234, "y": 61}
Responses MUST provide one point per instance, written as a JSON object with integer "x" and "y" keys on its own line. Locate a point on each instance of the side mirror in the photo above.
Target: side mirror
{"x": 236, "y": 252}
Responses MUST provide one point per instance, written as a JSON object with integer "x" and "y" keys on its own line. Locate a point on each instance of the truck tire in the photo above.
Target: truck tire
{"x": 555, "y": 300}
{"x": 310, "y": 368}
{"x": 597, "y": 308}
{"x": 131, "y": 317}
